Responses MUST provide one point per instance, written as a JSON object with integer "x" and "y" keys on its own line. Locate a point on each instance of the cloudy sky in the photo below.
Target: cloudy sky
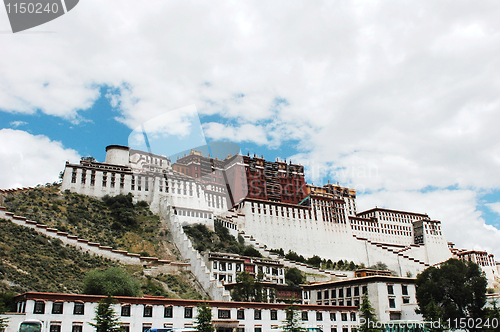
{"x": 398, "y": 99}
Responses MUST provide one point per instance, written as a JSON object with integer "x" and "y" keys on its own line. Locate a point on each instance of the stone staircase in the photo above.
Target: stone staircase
{"x": 197, "y": 265}
{"x": 402, "y": 259}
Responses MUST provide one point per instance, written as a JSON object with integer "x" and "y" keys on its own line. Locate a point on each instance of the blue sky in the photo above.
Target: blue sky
{"x": 397, "y": 100}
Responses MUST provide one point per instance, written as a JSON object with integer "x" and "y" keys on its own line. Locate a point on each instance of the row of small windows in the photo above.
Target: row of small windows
{"x": 57, "y": 308}
{"x": 333, "y": 293}
{"x": 78, "y": 309}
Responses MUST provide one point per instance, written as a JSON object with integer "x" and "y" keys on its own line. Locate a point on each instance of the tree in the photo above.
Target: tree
{"x": 294, "y": 276}
{"x": 244, "y": 288}
{"x": 492, "y": 315}
{"x": 453, "y": 291}
{"x": 367, "y": 314}
{"x": 105, "y": 318}
{"x": 6, "y": 304}
{"x": 110, "y": 282}
{"x": 314, "y": 261}
{"x": 293, "y": 322}
{"x": 204, "y": 318}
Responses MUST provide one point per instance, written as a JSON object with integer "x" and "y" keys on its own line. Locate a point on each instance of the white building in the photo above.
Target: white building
{"x": 225, "y": 267}
{"x": 326, "y": 223}
{"x": 393, "y": 298}
{"x": 72, "y": 312}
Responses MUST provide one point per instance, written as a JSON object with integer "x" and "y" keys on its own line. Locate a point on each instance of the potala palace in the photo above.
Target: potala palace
{"x": 272, "y": 203}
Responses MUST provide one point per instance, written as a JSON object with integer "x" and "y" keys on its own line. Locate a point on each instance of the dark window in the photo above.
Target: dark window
{"x": 39, "y": 307}
{"x": 334, "y": 293}
{"x": 126, "y": 310}
{"x": 392, "y": 303}
{"x": 57, "y": 308}
{"x": 146, "y": 328}
{"x": 168, "y": 312}
{"x": 188, "y": 312}
{"x": 274, "y": 315}
{"x": 356, "y": 291}
{"x": 77, "y": 328}
{"x": 55, "y": 328}
{"x": 257, "y": 314}
{"x": 258, "y": 329}
{"x": 333, "y": 316}
{"x": 224, "y": 313}
{"x": 305, "y": 315}
{"x": 353, "y": 316}
{"x": 390, "y": 289}
{"x": 344, "y": 316}
{"x": 365, "y": 289}
{"x": 126, "y": 328}
{"x": 405, "y": 289}
{"x": 148, "y": 311}
{"x": 348, "y": 292}
{"x": 319, "y": 295}
{"x": 327, "y": 293}
{"x": 345, "y": 329}
{"x": 348, "y": 303}
{"x": 78, "y": 309}
{"x": 395, "y": 316}
{"x": 406, "y": 300}
{"x": 341, "y": 292}
{"x": 240, "y": 314}
{"x": 319, "y": 315}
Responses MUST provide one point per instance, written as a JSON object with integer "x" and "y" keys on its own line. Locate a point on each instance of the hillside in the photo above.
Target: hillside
{"x": 117, "y": 223}
{"x": 31, "y": 261}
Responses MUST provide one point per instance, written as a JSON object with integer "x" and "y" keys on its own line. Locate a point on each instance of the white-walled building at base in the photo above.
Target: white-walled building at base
{"x": 73, "y": 313}
{"x": 393, "y": 298}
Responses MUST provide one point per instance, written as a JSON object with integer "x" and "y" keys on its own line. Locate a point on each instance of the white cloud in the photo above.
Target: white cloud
{"x": 383, "y": 96}
{"x": 495, "y": 207}
{"x": 16, "y": 124}
{"x": 27, "y": 160}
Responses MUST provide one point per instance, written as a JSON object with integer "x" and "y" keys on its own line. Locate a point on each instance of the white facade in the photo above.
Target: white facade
{"x": 393, "y": 298}
{"x": 225, "y": 267}
{"x": 69, "y": 312}
{"x": 328, "y": 227}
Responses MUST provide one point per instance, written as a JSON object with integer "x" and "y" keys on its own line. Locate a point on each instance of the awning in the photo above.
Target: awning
{"x": 225, "y": 323}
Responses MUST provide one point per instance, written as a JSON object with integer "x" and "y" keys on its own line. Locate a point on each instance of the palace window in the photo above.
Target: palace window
{"x": 125, "y": 311}
{"x": 77, "y": 328}
{"x": 168, "y": 312}
{"x": 57, "y": 307}
{"x": 274, "y": 315}
{"x": 188, "y": 312}
{"x": 55, "y": 327}
{"x": 257, "y": 314}
{"x": 404, "y": 289}
{"x": 333, "y": 316}
{"x": 240, "y": 314}
{"x": 148, "y": 311}
{"x": 319, "y": 316}
{"x": 390, "y": 289}
{"x": 224, "y": 314}
{"x": 39, "y": 307}
{"x": 305, "y": 315}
